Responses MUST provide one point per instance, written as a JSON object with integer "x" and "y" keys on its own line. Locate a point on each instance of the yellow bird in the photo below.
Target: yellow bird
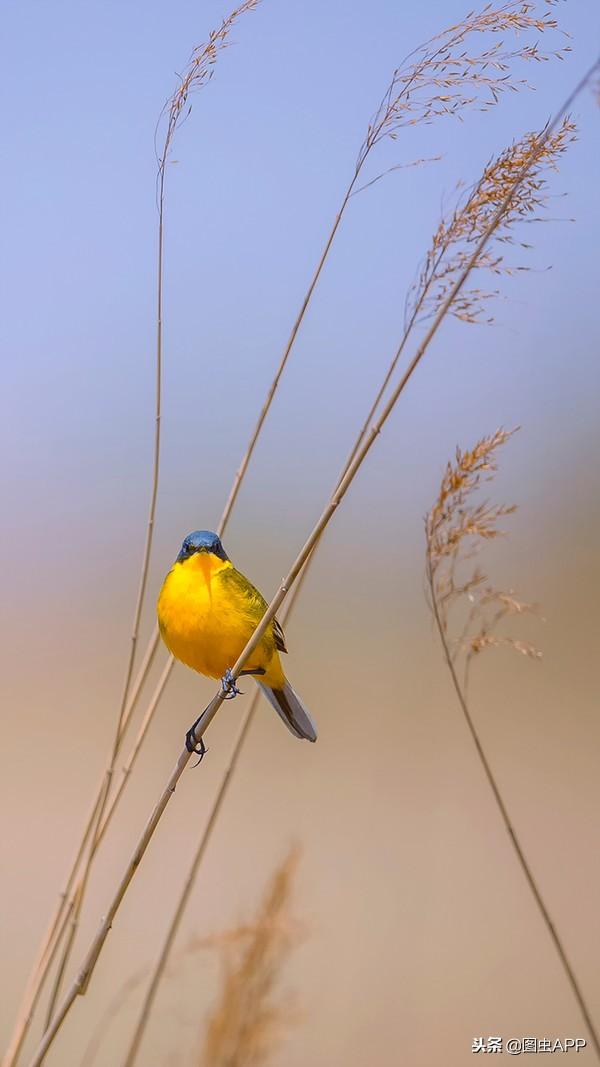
{"x": 207, "y": 612}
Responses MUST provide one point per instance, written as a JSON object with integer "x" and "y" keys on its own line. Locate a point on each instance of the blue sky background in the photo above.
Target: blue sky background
{"x": 262, "y": 164}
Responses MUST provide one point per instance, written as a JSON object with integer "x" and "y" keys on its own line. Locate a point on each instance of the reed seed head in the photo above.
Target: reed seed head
{"x": 199, "y": 71}
{"x": 456, "y": 528}
{"x": 520, "y": 170}
{"x": 449, "y": 73}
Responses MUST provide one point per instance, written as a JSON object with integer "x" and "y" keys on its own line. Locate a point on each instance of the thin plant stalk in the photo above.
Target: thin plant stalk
{"x": 508, "y": 824}
{"x": 46, "y": 951}
{"x": 217, "y": 804}
{"x": 69, "y": 915}
{"x": 119, "y": 731}
{"x": 235, "y": 752}
{"x": 72, "y": 913}
{"x": 57, "y": 923}
{"x": 82, "y": 978}
{"x": 62, "y": 914}
{"x": 163, "y": 956}
{"x": 235, "y": 488}
{"x": 236, "y": 485}
{"x": 241, "y": 471}
{"x": 132, "y": 757}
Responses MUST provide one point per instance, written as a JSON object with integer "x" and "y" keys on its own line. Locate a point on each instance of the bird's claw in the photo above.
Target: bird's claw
{"x": 230, "y": 689}
{"x": 194, "y": 745}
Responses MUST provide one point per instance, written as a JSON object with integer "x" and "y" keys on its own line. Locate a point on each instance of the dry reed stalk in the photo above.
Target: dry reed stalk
{"x": 62, "y": 914}
{"x": 160, "y": 964}
{"x": 80, "y": 983}
{"x": 437, "y": 79}
{"x": 455, "y": 528}
{"x": 73, "y": 911}
{"x": 199, "y": 71}
{"x": 471, "y": 218}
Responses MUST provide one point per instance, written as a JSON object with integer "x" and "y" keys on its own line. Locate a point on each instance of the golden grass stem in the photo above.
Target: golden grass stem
{"x": 162, "y": 958}
{"x": 80, "y": 983}
{"x": 232, "y": 761}
{"x": 46, "y": 952}
{"x": 508, "y": 824}
{"x": 62, "y": 914}
{"x": 199, "y": 71}
{"x": 235, "y": 488}
{"x": 76, "y": 902}
{"x": 96, "y": 827}
{"x": 120, "y": 727}
{"x": 246, "y": 458}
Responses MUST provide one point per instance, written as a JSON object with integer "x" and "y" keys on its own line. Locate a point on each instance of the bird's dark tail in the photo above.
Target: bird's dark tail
{"x": 290, "y": 708}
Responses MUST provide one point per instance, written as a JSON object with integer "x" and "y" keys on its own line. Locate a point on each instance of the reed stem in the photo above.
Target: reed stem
{"x": 508, "y": 824}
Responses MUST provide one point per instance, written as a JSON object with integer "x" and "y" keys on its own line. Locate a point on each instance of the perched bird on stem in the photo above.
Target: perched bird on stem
{"x": 207, "y": 612}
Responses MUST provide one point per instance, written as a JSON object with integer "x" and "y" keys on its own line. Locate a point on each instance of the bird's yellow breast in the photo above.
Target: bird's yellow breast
{"x": 201, "y": 622}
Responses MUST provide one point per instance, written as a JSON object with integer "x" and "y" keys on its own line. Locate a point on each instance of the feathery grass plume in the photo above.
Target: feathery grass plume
{"x": 455, "y": 528}
{"x": 443, "y": 77}
{"x": 199, "y": 71}
{"x": 458, "y": 233}
{"x": 249, "y": 1017}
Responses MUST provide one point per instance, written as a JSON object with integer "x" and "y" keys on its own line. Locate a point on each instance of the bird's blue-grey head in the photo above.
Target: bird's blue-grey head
{"x": 201, "y": 541}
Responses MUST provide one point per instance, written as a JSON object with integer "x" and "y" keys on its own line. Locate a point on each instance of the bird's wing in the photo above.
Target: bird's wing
{"x": 254, "y": 603}
{"x": 279, "y": 636}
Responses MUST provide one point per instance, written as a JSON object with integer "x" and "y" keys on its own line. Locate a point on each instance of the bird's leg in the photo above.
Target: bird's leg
{"x": 228, "y": 685}
{"x": 230, "y": 689}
